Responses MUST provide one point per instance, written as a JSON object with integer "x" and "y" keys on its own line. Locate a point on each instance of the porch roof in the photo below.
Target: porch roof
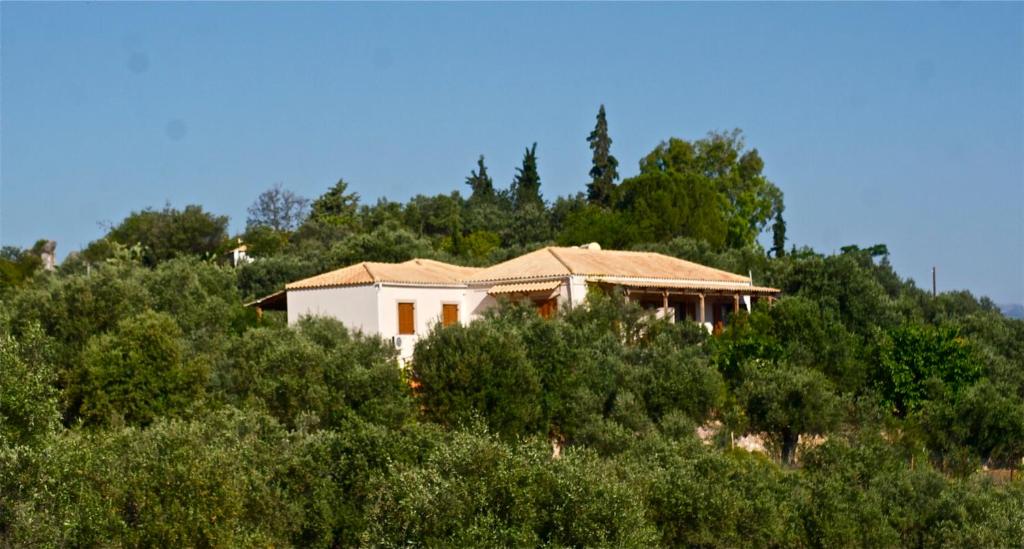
{"x": 525, "y": 287}
{"x": 696, "y": 286}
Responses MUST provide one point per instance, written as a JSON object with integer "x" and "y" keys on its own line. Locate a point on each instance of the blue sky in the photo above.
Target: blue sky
{"x": 894, "y": 123}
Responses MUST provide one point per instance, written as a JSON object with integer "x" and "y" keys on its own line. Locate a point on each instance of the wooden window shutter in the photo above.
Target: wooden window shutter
{"x": 406, "y": 319}
{"x": 449, "y": 314}
{"x": 548, "y": 307}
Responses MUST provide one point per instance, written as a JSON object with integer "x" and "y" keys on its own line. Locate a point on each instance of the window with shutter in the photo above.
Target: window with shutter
{"x": 449, "y": 314}
{"x": 406, "y": 319}
{"x": 547, "y": 307}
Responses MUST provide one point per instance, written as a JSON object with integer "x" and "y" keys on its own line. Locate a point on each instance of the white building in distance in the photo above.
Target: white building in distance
{"x": 403, "y": 301}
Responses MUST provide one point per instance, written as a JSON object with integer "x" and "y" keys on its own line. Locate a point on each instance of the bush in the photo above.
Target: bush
{"x": 480, "y": 369}
{"x": 137, "y": 373}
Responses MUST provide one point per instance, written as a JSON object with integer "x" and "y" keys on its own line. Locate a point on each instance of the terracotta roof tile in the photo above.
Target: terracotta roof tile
{"x": 555, "y": 262}
{"x": 525, "y": 287}
{"x": 414, "y": 271}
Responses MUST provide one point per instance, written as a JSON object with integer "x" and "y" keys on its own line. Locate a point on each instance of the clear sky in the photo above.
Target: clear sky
{"x": 896, "y": 123}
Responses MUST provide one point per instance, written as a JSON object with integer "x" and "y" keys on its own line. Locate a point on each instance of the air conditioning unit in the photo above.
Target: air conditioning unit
{"x": 397, "y": 341}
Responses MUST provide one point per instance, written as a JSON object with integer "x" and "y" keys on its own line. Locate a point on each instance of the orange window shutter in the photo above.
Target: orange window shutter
{"x": 406, "y": 319}
{"x": 547, "y": 307}
{"x": 449, "y": 314}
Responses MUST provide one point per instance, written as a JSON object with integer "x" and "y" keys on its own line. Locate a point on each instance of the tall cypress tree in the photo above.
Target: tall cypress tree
{"x": 605, "y": 171}
{"x": 481, "y": 184}
{"x": 526, "y": 185}
{"x": 779, "y": 235}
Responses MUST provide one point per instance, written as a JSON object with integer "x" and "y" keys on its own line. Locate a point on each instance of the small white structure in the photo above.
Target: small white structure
{"x": 403, "y": 301}
{"x": 239, "y": 255}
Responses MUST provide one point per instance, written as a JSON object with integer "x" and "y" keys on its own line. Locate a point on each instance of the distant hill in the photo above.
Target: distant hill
{"x": 1013, "y": 310}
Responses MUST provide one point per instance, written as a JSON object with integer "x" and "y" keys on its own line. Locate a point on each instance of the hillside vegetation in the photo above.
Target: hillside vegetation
{"x": 142, "y": 405}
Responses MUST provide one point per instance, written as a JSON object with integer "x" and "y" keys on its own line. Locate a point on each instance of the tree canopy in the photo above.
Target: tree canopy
{"x": 142, "y": 404}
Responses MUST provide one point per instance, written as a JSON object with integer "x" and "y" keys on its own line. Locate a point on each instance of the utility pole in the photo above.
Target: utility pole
{"x": 934, "y": 293}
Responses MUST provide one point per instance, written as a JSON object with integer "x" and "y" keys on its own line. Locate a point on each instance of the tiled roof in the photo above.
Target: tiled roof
{"x": 683, "y": 285}
{"x": 414, "y": 271}
{"x": 558, "y": 262}
{"x": 524, "y": 287}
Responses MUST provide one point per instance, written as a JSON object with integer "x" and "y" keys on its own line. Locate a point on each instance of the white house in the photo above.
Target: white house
{"x": 402, "y": 301}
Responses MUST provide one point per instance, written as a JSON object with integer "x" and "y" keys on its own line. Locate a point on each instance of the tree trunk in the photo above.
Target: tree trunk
{"x": 789, "y": 441}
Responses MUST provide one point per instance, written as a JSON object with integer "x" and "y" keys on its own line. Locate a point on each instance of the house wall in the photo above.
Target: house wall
{"x": 428, "y": 301}
{"x": 478, "y": 301}
{"x": 576, "y": 290}
{"x": 354, "y": 306}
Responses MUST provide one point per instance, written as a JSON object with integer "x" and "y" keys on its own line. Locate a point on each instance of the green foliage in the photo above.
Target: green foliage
{"x": 28, "y": 403}
{"x": 779, "y": 235}
{"x": 165, "y": 234}
{"x": 604, "y": 172}
{"x": 666, "y": 204}
{"x": 797, "y": 331}
{"x": 336, "y": 206}
{"x": 17, "y": 265}
{"x": 611, "y": 229}
{"x": 481, "y": 184}
{"x": 392, "y": 245}
{"x": 788, "y": 401}
{"x": 525, "y": 189}
{"x": 262, "y": 241}
{"x": 268, "y": 275}
{"x": 174, "y": 484}
{"x": 137, "y": 373}
{"x": 692, "y": 504}
{"x": 189, "y": 422}
{"x": 922, "y": 363}
{"x": 317, "y": 373}
{"x": 988, "y": 419}
{"x": 748, "y": 199}
{"x": 476, "y": 491}
{"x": 479, "y": 369}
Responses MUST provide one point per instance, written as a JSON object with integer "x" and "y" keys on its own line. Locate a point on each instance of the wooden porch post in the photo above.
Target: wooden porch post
{"x": 664, "y": 301}
{"x": 735, "y": 303}
{"x": 700, "y": 315}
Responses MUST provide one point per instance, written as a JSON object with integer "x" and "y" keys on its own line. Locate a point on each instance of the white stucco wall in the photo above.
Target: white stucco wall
{"x": 477, "y": 302}
{"x": 355, "y": 306}
{"x": 427, "y": 312}
{"x": 577, "y": 290}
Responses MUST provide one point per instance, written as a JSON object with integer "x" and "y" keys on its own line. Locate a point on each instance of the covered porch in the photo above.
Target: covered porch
{"x": 710, "y": 305}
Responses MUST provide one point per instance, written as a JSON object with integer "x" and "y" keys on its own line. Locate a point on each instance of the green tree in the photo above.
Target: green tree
{"x": 480, "y": 183}
{"x": 317, "y": 372}
{"x": 336, "y": 206}
{"x": 916, "y": 363}
{"x": 665, "y": 205}
{"x": 28, "y": 403}
{"x": 386, "y": 244}
{"x": 165, "y": 234}
{"x": 749, "y": 200}
{"x": 525, "y": 188}
{"x": 604, "y": 171}
{"x": 17, "y": 265}
{"x": 480, "y": 369}
{"x": 138, "y": 373}
{"x": 787, "y": 401}
{"x": 611, "y": 229}
{"x": 779, "y": 235}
